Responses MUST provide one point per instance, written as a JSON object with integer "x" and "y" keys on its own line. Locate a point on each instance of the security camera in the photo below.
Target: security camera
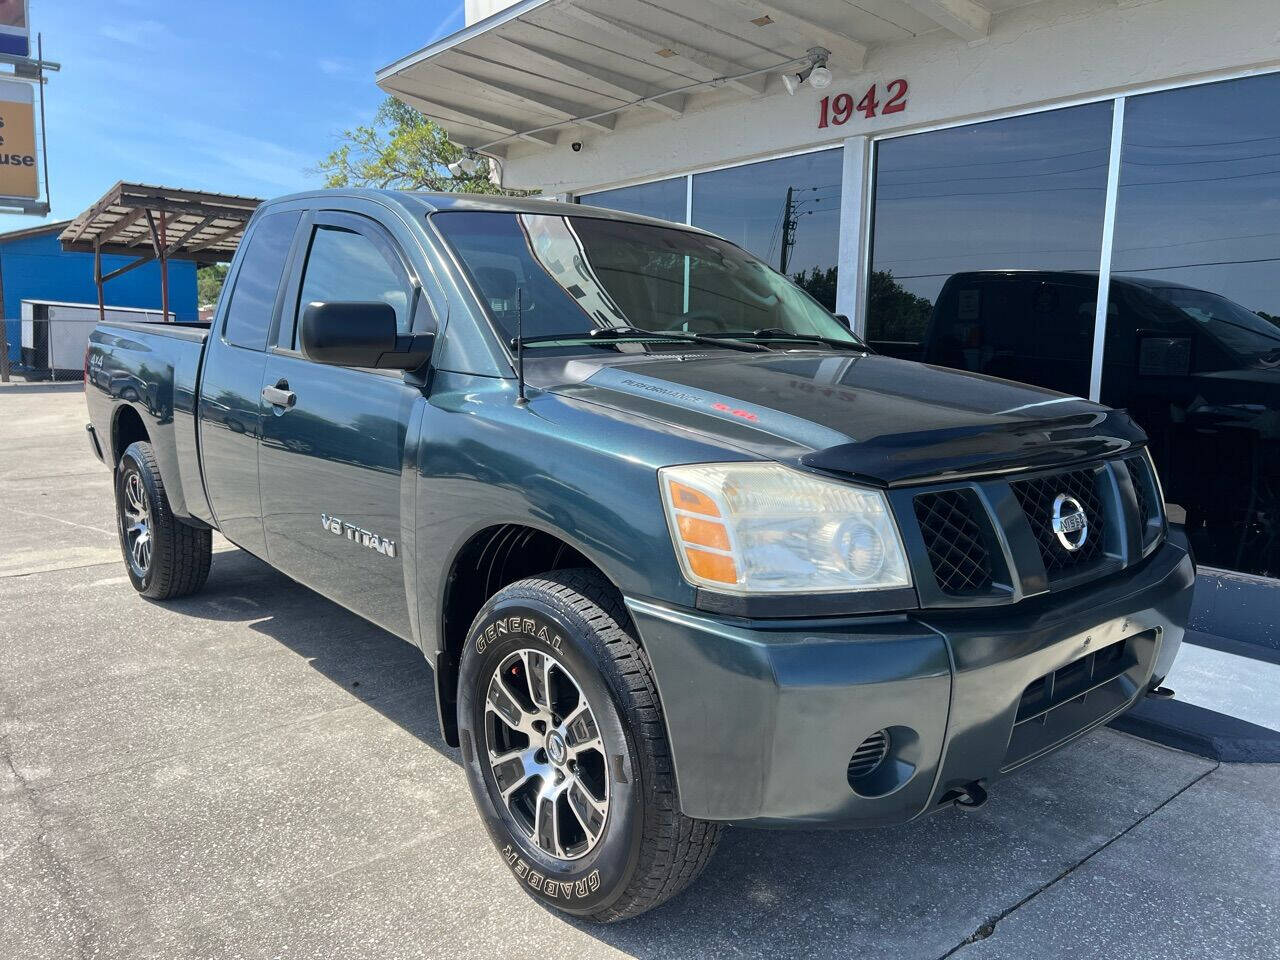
{"x": 576, "y": 146}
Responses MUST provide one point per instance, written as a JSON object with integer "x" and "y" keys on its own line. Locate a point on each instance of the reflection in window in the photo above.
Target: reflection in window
{"x": 567, "y": 275}
{"x": 665, "y": 199}
{"x": 253, "y": 301}
{"x": 986, "y": 243}
{"x": 786, "y": 212}
{"x": 347, "y": 266}
{"x": 1193, "y": 346}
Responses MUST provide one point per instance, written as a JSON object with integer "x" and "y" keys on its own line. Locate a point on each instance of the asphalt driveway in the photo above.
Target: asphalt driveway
{"x": 254, "y": 772}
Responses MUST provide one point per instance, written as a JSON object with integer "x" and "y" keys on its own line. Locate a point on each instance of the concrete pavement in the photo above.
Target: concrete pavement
{"x": 254, "y": 772}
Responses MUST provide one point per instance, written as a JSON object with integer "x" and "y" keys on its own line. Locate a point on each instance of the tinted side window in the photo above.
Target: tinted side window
{"x": 254, "y": 298}
{"x": 347, "y": 266}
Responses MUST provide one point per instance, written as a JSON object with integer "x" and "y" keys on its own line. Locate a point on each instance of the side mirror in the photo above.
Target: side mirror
{"x": 360, "y": 334}
{"x": 844, "y": 321}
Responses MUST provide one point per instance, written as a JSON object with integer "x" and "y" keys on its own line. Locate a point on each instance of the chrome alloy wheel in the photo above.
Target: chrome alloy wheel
{"x": 136, "y": 524}
{"x": 546, "y": 754}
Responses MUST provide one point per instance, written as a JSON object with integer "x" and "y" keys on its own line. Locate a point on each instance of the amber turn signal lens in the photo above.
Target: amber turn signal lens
{"x": 712, "y": 566}
{"x": 703, "y": 533}
{"x": 687, "y": 498}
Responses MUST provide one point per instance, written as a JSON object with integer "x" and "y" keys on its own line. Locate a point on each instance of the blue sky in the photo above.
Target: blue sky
{"x": 239, "y": 96}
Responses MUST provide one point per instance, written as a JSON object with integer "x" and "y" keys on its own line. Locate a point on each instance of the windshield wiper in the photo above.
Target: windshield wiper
{"x": 778, "y": 334}
{"x": 607, "y": 336}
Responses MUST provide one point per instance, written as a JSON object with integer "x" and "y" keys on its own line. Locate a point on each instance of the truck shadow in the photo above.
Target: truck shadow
{"x": 917, "y": 890}
{"x": 385, "y": 673}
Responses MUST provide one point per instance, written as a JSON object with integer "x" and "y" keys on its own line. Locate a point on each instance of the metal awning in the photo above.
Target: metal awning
{"x": 542, "y": 68}
{"x": 132, "y": 218}
{"x": 158, "y": 223}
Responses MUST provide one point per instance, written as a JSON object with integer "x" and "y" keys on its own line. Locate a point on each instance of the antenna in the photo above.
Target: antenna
{"x": 521, "y": 399}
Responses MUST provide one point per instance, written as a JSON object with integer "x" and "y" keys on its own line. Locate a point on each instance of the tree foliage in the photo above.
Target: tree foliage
{"x": 819, "y": 284}
{"x": 401, "y": 150}
{"x": 900, "y": 314}
{"x": 209, "y": 280}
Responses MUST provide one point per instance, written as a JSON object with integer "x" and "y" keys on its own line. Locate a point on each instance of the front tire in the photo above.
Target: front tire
{"x": 566, "y": 751}
{"x": 165, "y": 558}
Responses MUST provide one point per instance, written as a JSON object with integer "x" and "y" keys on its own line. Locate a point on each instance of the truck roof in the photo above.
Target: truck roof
{"x": 433, "y": 202}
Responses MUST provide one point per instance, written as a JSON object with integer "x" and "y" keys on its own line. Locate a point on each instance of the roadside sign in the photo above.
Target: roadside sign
{"x": 19, "y": 176}
{"x": 15, "y": 34}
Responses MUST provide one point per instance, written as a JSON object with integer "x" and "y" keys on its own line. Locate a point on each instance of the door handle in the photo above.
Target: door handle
{"x": 280, "y": 395}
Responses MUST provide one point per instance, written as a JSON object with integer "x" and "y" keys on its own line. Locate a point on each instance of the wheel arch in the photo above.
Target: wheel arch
{"x": 127, "y": 426}
{"x": 483, "y": 563}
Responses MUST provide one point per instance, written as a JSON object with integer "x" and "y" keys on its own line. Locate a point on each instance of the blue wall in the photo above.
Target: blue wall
{"x": 35, "y": 268}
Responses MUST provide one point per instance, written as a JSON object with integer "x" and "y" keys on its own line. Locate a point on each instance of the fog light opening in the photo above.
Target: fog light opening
{"x": 884, "y": 762}
{"x": 869, "y": 755}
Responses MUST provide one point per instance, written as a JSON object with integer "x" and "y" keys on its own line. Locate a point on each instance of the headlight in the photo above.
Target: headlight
{"x": 765, "y": 528}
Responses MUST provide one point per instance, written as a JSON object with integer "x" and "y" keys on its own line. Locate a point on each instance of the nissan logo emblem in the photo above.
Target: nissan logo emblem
{"x": 1069, "y": 522}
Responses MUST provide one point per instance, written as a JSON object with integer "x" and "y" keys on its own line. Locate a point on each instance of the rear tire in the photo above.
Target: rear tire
{"x": 570, "y": 628}
{"x": 165, "y": 558}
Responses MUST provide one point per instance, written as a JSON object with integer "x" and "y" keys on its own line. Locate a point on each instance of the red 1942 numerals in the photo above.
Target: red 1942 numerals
{"x": 836, "y": 111}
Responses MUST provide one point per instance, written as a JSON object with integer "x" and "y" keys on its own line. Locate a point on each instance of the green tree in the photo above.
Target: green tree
{"x": 897, "y": 313}
{"x": 402, "y": 150}
{"x": 209, "y": 280}
{"x": 819, "y": 284}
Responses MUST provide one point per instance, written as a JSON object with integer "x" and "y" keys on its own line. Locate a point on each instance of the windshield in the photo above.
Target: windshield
{"x": 1243, "y": 332}
{"x": 575, "y": 274}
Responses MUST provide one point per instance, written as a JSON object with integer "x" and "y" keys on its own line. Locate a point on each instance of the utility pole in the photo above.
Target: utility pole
{"x": 788, "y": 230}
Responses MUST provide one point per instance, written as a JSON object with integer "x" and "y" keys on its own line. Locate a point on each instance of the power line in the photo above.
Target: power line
{"x": 1004, "y": 176}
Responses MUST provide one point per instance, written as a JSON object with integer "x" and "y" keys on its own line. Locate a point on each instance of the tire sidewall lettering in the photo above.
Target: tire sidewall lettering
{"x": 550, "y": 887}
{"x": 522, "y": 625}
{"x": 579, "y": 887}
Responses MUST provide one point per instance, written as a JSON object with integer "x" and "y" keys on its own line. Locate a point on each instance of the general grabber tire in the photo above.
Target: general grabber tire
{"x": 165, "y": 557}
{"x": 566, "y": 751}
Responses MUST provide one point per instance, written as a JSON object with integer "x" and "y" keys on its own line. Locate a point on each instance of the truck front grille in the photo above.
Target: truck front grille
{"x": 1138, "y": 474}
{"x": 957, "y": 548}
{"x": 1037, "y": 497}
{"x": 1150, "y": 509}
{"x": 992, "y": 541}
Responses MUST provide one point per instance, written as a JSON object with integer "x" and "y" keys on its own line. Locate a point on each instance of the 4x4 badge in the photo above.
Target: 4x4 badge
{"x": 1070, "y": 522}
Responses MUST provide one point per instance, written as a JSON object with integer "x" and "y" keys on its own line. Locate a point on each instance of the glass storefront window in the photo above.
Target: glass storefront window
{"x": 986, "y": 242}
{"x": 785, "y": 211}
{"x": 1193, "y": 320}
{"x": 664, "y": 199}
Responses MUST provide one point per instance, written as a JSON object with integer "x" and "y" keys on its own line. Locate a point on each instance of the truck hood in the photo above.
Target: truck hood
{"x": 876, "y": 419}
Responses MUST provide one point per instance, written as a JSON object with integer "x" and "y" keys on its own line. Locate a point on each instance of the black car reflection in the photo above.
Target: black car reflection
{"x": 1200, "y": 372}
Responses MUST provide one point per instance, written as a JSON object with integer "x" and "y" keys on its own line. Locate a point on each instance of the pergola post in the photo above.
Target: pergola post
{"x": 97, "y": 279}
{"x": 164, "y": 270}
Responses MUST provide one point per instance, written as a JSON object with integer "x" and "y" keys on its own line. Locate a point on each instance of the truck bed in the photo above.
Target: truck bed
{"x": 152, "y": 369}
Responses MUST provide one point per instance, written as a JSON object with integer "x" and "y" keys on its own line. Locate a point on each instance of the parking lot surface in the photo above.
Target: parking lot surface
{"x": 254, "y": 772}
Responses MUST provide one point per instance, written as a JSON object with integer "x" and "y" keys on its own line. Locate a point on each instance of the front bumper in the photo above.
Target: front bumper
{"x": 763, "y": 716}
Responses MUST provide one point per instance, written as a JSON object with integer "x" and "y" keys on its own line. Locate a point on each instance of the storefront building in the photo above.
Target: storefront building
{"x": 1082, "y": 194}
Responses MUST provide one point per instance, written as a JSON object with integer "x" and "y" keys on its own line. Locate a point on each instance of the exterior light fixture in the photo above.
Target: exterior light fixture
{"x": 816, "y": 72}
{"x": 467, "y": 166}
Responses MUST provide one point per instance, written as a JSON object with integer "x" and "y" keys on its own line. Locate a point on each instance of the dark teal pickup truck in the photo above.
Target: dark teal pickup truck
{"x": 681, "y": 549}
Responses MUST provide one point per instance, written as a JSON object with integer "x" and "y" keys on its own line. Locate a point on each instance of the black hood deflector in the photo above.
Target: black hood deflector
{"x": 956, "y": 452}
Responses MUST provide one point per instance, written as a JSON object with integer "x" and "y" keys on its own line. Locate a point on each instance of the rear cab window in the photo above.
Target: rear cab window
{"x": 253, "y": 299}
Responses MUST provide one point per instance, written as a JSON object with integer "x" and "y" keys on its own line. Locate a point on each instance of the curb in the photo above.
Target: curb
{"x": 1206, "y": 733}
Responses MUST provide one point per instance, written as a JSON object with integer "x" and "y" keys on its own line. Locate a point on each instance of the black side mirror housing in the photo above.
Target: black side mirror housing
{"x": 360, "y": 334}
{"x": 844, "y": 321}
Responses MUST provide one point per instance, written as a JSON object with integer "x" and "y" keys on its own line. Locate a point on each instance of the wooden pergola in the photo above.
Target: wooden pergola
{"x": 158, "y": 223}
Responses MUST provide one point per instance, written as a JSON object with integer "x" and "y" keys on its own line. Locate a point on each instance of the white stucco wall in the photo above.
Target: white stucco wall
{"x": 1035, "y": 56}
{"x": 479, "y": 9}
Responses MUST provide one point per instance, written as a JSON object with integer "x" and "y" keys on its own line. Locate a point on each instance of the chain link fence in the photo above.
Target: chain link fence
{"x": 48, "y": 343}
